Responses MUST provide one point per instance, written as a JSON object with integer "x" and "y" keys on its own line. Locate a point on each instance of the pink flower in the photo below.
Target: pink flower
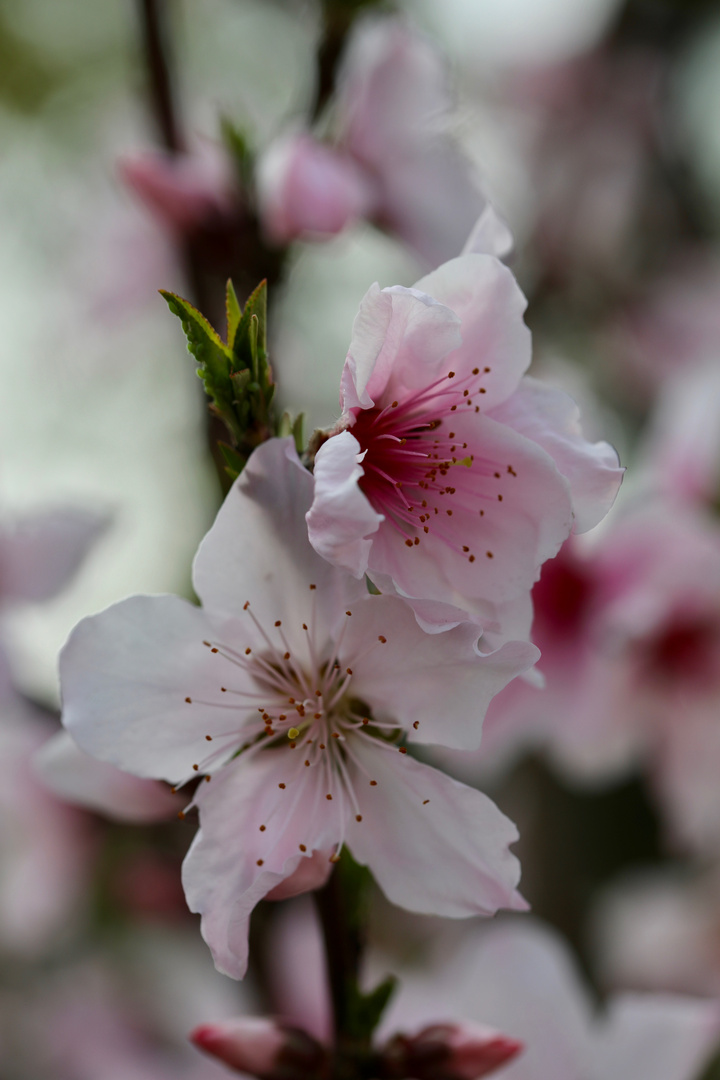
{"x": 449, "y": 477}
{"x": 288, "y": 689}
{"x": 391, "y": 161}
{"x": 630, "y": 639}
{"x": 519, "y": 978}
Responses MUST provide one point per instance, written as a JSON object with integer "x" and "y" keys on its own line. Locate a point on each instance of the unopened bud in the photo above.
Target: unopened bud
{"x": 448, "y": 1052}
{"x": 264, "y": 1048}
{"x": 183, "y": 191}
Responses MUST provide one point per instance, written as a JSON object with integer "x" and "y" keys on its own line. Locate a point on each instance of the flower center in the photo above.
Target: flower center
{"x": 416, "y": 469}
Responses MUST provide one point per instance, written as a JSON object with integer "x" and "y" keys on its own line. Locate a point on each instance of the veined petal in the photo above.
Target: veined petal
{"x": 434, "y": 845}
{"x": 258, "y": 550}
{"x": 341, "y": 519}
{"x": 486, "y": 296}
{"x": 368, "y": 338}
{"x": 399, "y": 348}
{"x": 126, "y": 675}
{"x": 258, "y": 820}
{"x": 552, "y": 420}
{"x": 437, "y": 687}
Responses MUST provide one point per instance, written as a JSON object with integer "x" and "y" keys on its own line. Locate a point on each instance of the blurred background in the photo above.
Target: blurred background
{"x": 145, "y": 146}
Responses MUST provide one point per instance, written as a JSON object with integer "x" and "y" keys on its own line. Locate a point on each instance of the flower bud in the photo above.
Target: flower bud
{"x": 307, "y": 188}
{"x": 265, "y": 1048}
{"x": 463, "y": 1051}
{"x": 184, "y": 191}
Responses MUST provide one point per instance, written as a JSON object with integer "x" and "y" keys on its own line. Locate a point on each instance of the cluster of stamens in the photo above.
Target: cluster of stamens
{"x": 413, "y": 461}
{"x": 292, "y": 704}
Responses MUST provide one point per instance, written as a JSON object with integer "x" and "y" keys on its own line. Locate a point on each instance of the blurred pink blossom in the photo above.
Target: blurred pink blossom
{"x": 183, "y": 191}
{"x": 265, "y": 1048}
{"x": 291, "y": 640}
{"x": 520, "y": 978}
{"x": 449, "y": 1051}
{"x": 629, "y": 633}
{"x": 450, "y": 478}
{"x": 391, "y": 161}
{"x": 46, "y": 847}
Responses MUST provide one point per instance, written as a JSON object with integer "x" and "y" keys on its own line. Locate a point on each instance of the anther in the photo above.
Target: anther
{"x": 471, "y": 558}
{"x": 260, "y": 862}
{"x": 365, "y": 721}
{"x": 278, "y": 622}
{"x": 208, "y": 779}
{"x": 382, "y": 639}
{"x": 499, "y": 498}
{"x": 417, "y": 540}
{"x": 209, "y": 738}
{"x": 425, "y": 802}
{"x": 348, "y": 612}
{"x": 302, "y": 847}
{"x": 321, "y": 746}
{"x": 282, "y": 786}
{"x": 262, "y": 828}
{"x": 402, "y": 749}
{"x": 358, "y": 817}
{"x": 373, "y": 783}
{"x": 334, "y": 858}
{"x": 307, "y": 762}
{"x": 317, "y": 716}
{"x": 213, "y": 650}
{"x": 394, "y": 405}
{"x": 223, "y": 689}
{"x": 246, "y": 605}
{"x": 313, "y": 586}
{"x": 476, "y": 371}
{"x": 293, "y": 733}
{"x": 416, "y": 724}
{"x": 496, "y": 475}
{"x": 304, "y": 626}
{"x": 408, "y": 543}
{"x": 181, "y": 815}
{"x": 336, "y": 735}
{"x": 196, "y": 767}
{"x": 248, "y": 651}
{"x": 208, "y": 643}
{"x": 451, "y": 374}
{"x": 329, "y": 797}
{"x": 286, "y": 656}
{"x": 189, "y": 700}
{"x": 489, "y": 554}
{"x": 465, "y": 549}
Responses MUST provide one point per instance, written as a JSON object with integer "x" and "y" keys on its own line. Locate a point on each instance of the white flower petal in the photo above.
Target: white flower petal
{"x": 125, "y": 676}
{"x": 234, "y": 862}
{"x": 341, "y": 520}
{"x": 433, "y": 845}
{"x": 442, "y": 683}
{"x": 656, "y": 1037}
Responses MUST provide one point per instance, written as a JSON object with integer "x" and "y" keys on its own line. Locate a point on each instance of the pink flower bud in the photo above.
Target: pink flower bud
{"x": 305, "y": 187}
{"x": 463, "y": 1051}
{"x": 183, "y": 191}
{"x": 264, "y": 1048}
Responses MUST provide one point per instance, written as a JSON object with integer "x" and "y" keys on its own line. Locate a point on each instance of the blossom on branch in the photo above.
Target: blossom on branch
{"x": 450, "y": 477}
{"x": 288, "y": 691}
{"x": 391, "y": 161}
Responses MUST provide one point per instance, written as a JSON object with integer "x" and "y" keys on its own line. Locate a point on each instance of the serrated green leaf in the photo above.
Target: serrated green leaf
{"x": 233, "y": 312}
{"x": 208, "y": 349}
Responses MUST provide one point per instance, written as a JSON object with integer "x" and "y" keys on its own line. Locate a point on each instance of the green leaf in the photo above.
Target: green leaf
{"x": 234, "y": 462}
{"x": 365, "y": 1010}
{"x": 248, "y": 332}
{"x": 238, "y": 144}
{"x": 297, "y": 432}
{"x": 233, "y": 311}
{"x": 211, "y": 353}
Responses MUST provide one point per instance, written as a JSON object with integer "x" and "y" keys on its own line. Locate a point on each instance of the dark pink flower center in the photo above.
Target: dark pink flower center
{"x": 417, "y": 470}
